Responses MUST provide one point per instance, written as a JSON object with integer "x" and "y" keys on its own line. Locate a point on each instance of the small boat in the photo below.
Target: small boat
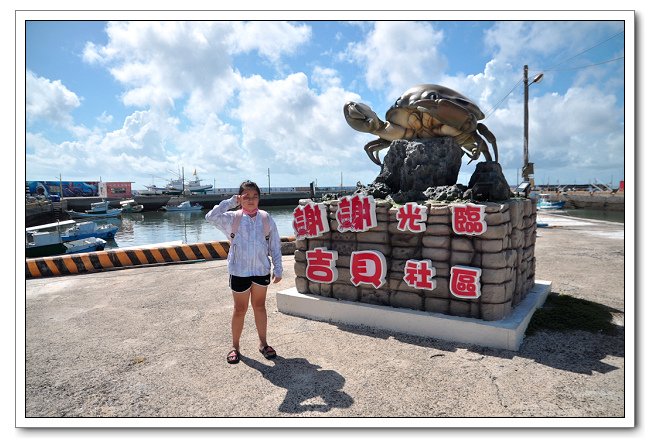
{"x": 130, "y": 206}
{"x": 89, "y": 229}
{"x": 41, "y": 242}
{"x": 90, "y": 244}
{"x": 545, "y": 203}
{"x": 97, "y": 210}
{"x": 183, "y": 207}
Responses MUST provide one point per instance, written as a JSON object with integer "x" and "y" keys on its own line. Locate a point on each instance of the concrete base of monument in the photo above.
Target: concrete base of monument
{"x": 507, "y": 333}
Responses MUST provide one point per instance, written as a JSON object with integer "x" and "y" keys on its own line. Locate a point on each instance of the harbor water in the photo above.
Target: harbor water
{"x": 586, "y": 213}
{"x": 154, "y": 227}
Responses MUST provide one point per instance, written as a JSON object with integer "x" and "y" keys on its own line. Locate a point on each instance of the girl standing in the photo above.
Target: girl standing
{"x": 253, "y": 237}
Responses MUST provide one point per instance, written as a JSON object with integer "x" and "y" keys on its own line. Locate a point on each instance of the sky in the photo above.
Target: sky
{"x": 263, "y": 100}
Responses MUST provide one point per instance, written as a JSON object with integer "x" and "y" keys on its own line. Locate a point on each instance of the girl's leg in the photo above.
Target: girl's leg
{"x": 239, "y": 313}
{"x": 258, "y": 301}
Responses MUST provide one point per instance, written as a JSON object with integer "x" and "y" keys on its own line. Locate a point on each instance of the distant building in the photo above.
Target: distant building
{"x": 65, "y": 189}
{"x": 70, "y": 189}
{"x": 115, "y": 190}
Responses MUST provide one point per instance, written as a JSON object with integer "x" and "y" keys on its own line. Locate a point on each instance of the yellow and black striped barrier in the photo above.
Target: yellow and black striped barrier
{"x": 121, "y": 258}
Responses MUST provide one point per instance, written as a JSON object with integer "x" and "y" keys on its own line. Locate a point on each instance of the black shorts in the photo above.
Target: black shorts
{"x": 242, "y": 284}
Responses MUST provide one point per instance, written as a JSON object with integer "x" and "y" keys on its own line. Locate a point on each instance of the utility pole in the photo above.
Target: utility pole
{"x": 269, "y": 176}
{"x": 527, "y": 170}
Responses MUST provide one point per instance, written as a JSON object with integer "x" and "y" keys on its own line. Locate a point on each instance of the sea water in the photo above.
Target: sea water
{"x": 154, "y": 227}
{"x": 601, "y": 215}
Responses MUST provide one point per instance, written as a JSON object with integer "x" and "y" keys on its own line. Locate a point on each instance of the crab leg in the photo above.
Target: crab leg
{"x": 485, "y": 132}
{"x": 372, "y": 149}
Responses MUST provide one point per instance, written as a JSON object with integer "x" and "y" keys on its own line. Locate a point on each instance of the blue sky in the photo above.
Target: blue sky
{"x": 135, "y": 101}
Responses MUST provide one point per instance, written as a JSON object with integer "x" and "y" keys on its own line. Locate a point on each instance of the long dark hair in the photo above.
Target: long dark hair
{"x": 249, "y": 185}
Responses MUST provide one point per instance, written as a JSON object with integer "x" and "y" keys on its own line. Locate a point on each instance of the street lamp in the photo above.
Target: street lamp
{"x": 527, "y": 169}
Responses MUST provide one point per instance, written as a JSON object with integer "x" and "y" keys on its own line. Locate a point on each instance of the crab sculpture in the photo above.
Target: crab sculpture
{"x": 425, "y": 111}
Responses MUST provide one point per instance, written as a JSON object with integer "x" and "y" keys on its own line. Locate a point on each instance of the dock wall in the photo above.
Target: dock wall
{"x": 153, "y": 202}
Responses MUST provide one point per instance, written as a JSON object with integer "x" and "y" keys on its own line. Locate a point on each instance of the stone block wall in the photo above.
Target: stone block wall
{"x": 505, "y": 253}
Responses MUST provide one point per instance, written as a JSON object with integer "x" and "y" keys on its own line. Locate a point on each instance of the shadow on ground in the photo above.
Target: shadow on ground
{"x": 304, "y": 382}
{"x": 570, "y": 334}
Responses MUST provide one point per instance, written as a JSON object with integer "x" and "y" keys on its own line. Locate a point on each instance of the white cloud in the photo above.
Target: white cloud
{"x": 270, "y": 39}
{"x": 287, "y": 125}
{"x": 105, "y": 118}
{"x": 164, "y": 64}
{"x": 212, "y": 146}
{"x": 397, "y": 55}
{"x": 141, "y": 141}
{"x": 325, "y": 77}
{"x": 49, "y": 100}
{"x": 561, "y": 40}
{"x": 160, "y": 63}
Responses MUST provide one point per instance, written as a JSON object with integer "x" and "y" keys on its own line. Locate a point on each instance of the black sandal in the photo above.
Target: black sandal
{"x": 268, "y": 352}
{"x": 233, "y": 357}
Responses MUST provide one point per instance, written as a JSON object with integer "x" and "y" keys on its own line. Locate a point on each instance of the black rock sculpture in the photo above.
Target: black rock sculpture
{"x": 411, "y": 167}
{"x": 488, "y": 183}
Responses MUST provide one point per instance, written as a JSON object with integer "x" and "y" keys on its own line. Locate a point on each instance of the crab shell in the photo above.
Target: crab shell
{"x": 421, "y": 93}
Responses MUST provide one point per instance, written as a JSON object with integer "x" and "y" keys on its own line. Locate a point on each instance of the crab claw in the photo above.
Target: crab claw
{"x": 362, "y": 118}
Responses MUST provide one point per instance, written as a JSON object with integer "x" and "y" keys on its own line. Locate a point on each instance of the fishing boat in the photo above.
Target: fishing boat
{"x": 90, "y": 244}
{"x": 183, "y": 207}
{"x": 544, "y": 202}
{"x": 130, "y": 206}
{"x": 177, "y": 186}
{"x": 97, "y": 210}
{"x": 87, "y": 229}
{"x": 47, "y": 239}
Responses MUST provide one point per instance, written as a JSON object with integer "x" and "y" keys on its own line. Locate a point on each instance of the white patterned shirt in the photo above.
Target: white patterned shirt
{"x": 249, "y": 251}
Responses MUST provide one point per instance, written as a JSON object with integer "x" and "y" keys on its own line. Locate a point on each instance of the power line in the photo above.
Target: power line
{"x": 584, "y": 66}
{"x": 583, "y": 51}
{"x": 494, "y": 108}
{"x": 552, "y": 68}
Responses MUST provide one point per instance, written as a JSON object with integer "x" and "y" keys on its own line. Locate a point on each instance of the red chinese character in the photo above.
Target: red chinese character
{"x": 464, "y": 282}
{"x": 469, "y": 219}
{"x": 419, "y": 274}
{"x": 412, "y": 217}
{"x": 356, "y": 213}
{"x": 368, "y": 266}
{"x": 320, "y": 265}
{"x": 310, "y": 220}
